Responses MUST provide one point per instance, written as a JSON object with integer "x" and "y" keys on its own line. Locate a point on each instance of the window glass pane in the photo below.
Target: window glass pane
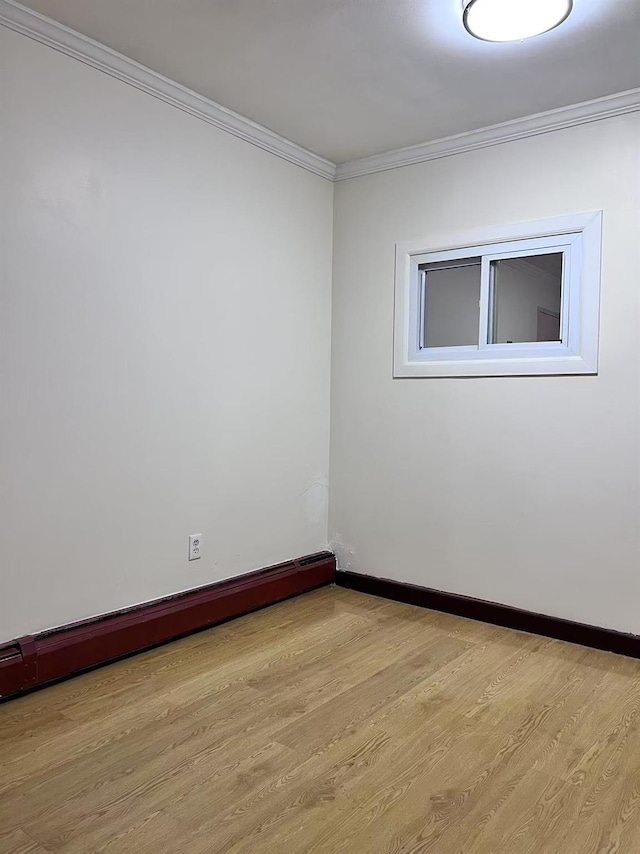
{"x": 525, "y": 299}
{"x": 451, "y": 304}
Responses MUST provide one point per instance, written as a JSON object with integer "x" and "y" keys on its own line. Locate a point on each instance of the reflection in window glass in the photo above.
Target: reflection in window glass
{"x": 451, "y": 304}
{"x": 525, "y": 299}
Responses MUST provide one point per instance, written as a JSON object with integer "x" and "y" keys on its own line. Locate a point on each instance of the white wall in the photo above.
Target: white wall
{"x": 520, "y": 490}
{"x": 164, "y": 346}
{"x": 164, "y": 352}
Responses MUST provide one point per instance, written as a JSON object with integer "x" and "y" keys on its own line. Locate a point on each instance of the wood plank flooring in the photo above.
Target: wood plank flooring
{"x": 334, "y": 722}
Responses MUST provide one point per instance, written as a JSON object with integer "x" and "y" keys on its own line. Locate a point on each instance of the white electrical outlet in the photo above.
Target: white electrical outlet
{"x": 195, "y": 546}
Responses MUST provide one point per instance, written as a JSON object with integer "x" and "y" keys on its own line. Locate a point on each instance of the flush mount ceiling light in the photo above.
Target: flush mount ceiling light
{"x": 513, "y": 20}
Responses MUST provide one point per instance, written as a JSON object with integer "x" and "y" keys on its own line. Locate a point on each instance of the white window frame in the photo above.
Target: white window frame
{"x": 577, "y": 236}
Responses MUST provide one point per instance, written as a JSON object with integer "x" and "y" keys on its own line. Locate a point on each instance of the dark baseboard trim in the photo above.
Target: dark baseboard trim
{"x": 30, "y": 662}
{"x": 492, "y": 612}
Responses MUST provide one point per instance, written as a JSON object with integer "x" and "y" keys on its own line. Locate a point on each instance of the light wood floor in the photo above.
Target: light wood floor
{"x": 334, "y": 722}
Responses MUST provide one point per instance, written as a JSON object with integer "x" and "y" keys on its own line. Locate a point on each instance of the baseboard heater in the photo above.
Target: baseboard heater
{"x": 32, "y": 661}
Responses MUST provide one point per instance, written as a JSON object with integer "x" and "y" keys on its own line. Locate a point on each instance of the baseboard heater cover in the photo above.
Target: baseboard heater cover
{"x": 493, "y": 612}
{"x": 33, "y": 661}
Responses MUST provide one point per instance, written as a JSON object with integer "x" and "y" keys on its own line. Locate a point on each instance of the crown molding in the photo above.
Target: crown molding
{"x": 564, "y": 117}
{"x": 16, "y": 17}
{"x": 22, "y": 20}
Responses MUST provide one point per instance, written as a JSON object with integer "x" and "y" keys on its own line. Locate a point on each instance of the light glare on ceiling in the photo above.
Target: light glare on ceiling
{"x": 513, "y": 20}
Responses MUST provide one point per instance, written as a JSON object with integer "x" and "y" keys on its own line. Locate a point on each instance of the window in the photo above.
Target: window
{"x": 517, "y": 300}
{"x": 525, "y": 298}
{"x": 450, "y": 303}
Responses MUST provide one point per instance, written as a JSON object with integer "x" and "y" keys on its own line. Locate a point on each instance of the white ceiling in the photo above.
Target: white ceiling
{"x": 349, "y": 78}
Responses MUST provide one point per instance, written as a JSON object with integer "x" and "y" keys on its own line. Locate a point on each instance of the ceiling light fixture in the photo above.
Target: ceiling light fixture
{"x": 513, "y": 20}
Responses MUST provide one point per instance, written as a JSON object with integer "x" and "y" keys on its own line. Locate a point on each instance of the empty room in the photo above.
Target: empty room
{"x": 320, "y": 427}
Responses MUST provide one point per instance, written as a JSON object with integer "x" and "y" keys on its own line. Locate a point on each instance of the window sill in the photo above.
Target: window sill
{"x": 496, "y": 367}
